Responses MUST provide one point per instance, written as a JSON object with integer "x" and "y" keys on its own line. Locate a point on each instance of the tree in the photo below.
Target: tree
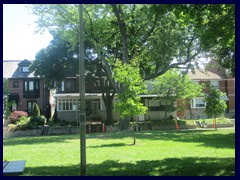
{"x": 129, "y": 100}
{"x": 161, "y": 36}
{"x": 215, "y": 104}
{"x": 55, "y": 62}
{"x": 6, "y": 103}
{"x": 129, "y": 103}
{"x": 36, "y": 110}
{"x": 215, "y": 28}
{"x": 173, "y": 86}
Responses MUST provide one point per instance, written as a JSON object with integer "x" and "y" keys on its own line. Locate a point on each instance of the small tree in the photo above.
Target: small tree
{"x": 129, "y": 100}
{"x": 215, "y": 104}
{"x": 36, "y": 110}
{"x": 128, "y": 75}
{"x": 173, "y": 86}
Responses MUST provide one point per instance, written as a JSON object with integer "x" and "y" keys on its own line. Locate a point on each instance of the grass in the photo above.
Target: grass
{"x": 157, "y": 153}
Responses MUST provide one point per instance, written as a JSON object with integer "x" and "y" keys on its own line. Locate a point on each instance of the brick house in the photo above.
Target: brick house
{"x": 215, "y": 76}
{"x": 25, "y": 89}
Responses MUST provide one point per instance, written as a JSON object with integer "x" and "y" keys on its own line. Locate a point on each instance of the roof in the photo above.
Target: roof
{"x": 11, "y": 69}
{"x": 203, "y": 75}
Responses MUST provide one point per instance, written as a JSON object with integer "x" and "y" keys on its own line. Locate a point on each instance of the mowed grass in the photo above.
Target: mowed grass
{"x": 156, "y": 153}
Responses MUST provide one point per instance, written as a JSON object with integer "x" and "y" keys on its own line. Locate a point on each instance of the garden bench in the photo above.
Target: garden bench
{"x": 13, "y": 168}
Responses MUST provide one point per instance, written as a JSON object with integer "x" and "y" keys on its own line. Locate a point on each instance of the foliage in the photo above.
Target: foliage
{"x": 162, "y": 36}
{"x": 129, "y": 100}
{"x": 55, "y": 62}
{"x": 174, "y": 86}
{"x": 6, "y": 103}
{"x": 16, "y": 115}
{"x": 23, "y": 120}
{"x": 215, "y": 105}
{"x": 37, "y": 120}
{"x": 36, "y": 110}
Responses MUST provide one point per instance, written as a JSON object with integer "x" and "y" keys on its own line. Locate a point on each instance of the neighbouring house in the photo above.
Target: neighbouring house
{"x": 216, "y": 76}
{"x": 67, "y": 98}
{"x": 25, "y": 89}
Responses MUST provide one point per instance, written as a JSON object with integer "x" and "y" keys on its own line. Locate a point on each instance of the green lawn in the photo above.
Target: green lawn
{"x": 157, "y": 153}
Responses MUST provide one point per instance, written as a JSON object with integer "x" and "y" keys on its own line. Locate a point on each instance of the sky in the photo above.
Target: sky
{"x": 19, "y": 39}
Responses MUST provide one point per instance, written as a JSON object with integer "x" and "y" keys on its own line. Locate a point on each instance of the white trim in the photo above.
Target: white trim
{"x": 193, "y": 103}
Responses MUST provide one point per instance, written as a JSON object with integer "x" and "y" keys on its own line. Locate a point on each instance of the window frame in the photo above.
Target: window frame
{"x": 15, "y": 84}
{"x": 193, "y": 103}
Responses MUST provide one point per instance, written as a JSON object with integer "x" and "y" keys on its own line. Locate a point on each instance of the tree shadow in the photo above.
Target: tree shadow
{"x": 215, "y": 139}
{"x": 190, "y": 166}
{"x": 39, "y": 140}
{"x": 109, "y": 145}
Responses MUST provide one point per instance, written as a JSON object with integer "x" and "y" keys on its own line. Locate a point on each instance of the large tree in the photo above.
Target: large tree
{"x": 160, "y": 36}
{"x": 59, "y": 60}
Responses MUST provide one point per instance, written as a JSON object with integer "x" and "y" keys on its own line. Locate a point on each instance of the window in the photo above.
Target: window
{"x": 67, "y": 104}
{"x": 198, "y": 103}
{"x": 214, "y": 83}
{"x": 70, "y": 85}
{"x": 15, "y": 84}
{"x": 31, "y": 85}
{"x": 25, "y": 69}
{"x": 31, "y": 88}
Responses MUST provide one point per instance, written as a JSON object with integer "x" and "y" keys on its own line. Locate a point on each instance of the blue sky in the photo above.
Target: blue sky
{"x": 19, "y": 40}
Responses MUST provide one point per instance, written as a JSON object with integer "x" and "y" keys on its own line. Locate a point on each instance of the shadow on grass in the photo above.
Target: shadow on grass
{"x": 39, "y": 140}
{"x": 109, "y": 145}
{"x": 210, "y": 138}
{"x": 167, "y": 167}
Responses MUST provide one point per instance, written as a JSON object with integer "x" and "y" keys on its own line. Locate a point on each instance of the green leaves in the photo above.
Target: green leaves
{"x": 215, "y": 103}
{"x": 174, "y": 86}
{"x": 128, "y": 76}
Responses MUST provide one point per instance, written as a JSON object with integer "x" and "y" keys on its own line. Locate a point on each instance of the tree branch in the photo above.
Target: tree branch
{"x": 123, "y": 30}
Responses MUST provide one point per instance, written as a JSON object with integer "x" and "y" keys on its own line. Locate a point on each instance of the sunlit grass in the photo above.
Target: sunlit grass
{"x": 171, "y": 153}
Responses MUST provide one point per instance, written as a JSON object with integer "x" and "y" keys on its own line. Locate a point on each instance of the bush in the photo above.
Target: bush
{"x": 36, "y": 110}
{"x": 21, "y": 127}
{"x": 16, "y": 115}
{"x": 38, "y": 120}
{"x": 23, "y": 120}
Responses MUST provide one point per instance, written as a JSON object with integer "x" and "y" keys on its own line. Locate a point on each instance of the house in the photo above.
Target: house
{"x": 25, "y": 89}
{"x": 218, "y": 77}
{"x": 67, "y": 97}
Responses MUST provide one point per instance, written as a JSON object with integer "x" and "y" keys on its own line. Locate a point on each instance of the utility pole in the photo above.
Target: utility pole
{"x": 82, "y": 114}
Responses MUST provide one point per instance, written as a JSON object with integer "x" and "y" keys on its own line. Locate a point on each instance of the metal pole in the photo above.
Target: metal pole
{"x": 82, "y": 115}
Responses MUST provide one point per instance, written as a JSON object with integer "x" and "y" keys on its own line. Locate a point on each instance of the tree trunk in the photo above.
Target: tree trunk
{"x": 108, "y": 101}
{"x": 166, "y": 110}
{"x": 214, "y": 123}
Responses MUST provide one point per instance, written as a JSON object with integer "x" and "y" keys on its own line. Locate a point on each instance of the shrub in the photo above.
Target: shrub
{"x": 37, "y": 120}
{"x": 23, "y": 120}
{"x": 36, "y": 110}
{"x": 20, "y": 127}
{"x": 16, "y": 115}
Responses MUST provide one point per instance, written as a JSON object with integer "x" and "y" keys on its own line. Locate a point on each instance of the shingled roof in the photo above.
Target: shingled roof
{"x": 11, "y": 69}
{"x": 203, "y": 75}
